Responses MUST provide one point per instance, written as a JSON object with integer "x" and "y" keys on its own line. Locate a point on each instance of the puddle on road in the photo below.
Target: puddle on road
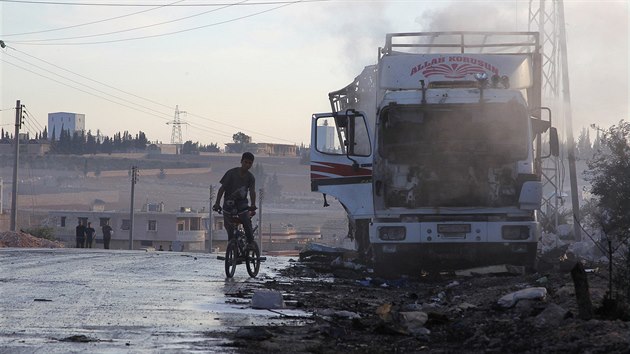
{"x": 241, "y": 314}
{"x": 230, "y": 305}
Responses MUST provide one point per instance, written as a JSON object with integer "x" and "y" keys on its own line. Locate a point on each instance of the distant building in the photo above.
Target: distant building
{"x": 262, "y": 149}
{"x": 71, "y": 122}
{"x": 183, "y": 230}
{"x": 164, "y": 149}
{"x": 30, "y": 147}
{"x": 326, "y": 138}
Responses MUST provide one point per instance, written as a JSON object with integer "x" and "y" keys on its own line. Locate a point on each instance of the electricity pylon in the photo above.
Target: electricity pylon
{"x": 547, "y": 17}
{"x": 176, "y": 133}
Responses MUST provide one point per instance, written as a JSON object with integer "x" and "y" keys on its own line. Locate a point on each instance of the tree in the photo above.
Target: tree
{"x": 91, "y": 145}
{"x": 190, "y": 148}
{"x": 609, "y": 174}
{"x": 77, "y": 143}
{"x": 213, "y": 147}
{"x": 584, "y": 147}
{"x": 141, "y": 141}
{"x": 107, "y": 146}
{"x": 63, "y": 145}
{"x": 241, "y": 138}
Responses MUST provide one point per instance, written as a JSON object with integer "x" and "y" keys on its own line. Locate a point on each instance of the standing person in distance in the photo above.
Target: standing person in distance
{"x": 89, "y": 235}
{"x": 235, "y": 185}
{"x": 107, "y": 235}
{"x": 80, "y": 234}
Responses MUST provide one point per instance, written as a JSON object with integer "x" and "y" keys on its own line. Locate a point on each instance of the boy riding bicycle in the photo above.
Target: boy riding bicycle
{"x": 235, "y": 185}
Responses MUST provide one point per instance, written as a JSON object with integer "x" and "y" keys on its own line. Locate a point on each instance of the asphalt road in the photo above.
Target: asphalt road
{"x": 105, "y": 301}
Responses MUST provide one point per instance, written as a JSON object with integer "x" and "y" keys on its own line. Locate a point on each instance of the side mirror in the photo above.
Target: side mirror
{"x": 554, "y": 145}
{"x": 341, "y": 121}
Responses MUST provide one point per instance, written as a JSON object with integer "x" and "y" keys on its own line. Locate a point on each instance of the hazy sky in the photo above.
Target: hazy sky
{"x": 260, "y": 66}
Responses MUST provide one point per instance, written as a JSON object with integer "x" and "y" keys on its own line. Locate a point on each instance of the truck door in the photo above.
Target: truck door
{"x": 341, "y": 160}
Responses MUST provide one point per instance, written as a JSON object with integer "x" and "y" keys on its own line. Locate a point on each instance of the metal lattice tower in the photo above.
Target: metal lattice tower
{"x": 176, "y": 133}
{"x": 547, "y": 17}
{"x": 542, "y": 18}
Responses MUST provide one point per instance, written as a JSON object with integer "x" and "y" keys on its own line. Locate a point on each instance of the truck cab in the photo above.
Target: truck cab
{"x": 451, "y": 176}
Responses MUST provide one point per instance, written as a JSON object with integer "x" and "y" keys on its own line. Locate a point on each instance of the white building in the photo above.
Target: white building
{"x": 326, "y": 138}
{"x": 153, "y": 227}
{"x": 72, "y": 122}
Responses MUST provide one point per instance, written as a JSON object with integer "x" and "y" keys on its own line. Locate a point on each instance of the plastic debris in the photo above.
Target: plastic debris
{"x": 511, "y": 299}
{"x": 267, "y": 300}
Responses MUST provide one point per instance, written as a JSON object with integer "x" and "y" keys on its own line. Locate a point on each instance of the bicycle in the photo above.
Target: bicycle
{"x": 238, "y": 250}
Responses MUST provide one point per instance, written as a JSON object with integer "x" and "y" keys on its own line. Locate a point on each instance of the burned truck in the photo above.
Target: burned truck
{"x": 435, "y": 152}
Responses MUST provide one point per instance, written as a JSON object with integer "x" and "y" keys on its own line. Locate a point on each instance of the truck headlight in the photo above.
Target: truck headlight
{"x": 515, "y": 232}
{"x": 392, "y": 233}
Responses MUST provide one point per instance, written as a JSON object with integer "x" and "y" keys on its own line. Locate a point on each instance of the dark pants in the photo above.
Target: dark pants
{"x": 247, "y": 225}
{"x": 106, "y": 240}
{"x": 88, "y": 241}
{"x": 80, "y": 242}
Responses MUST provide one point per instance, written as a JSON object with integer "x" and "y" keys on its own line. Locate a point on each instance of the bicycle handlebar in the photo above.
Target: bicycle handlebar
{"x": 251, "y": 211}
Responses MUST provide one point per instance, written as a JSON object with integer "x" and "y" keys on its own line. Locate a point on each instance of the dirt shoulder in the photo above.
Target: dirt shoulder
{"x": 25, "y": 240}
{"x": 354, "y": 312}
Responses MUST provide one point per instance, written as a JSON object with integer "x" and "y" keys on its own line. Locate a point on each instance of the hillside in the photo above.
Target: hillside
{"x": 185, "y": 183}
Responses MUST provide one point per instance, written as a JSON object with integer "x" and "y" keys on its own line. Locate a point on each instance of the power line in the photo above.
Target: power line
{"x": 78, "y": 83}
{"x": 30, "y": 128}
{"x": 239, "y": 128}
{"x": 96, "y": 81}
{"x": 165, "y": 115}
{"x": 78, "y": 89}
{"x": 197, "y": 125}
{"x": 129, "y": 29}
{"x": 43, "y": 42}
{"x": 93, "y": 22}
{"x": 210, "y": 130}
{"x": 37, "y": 124}
{"x": 151, "y": 5}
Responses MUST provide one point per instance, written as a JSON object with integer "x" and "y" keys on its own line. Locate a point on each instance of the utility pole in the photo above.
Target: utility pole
{"x": 210, "y": 217}
{"x": 566, "y": 95}
{"x": 16, "y": 140}
{"x": 261, "y": 194}
{"x": 134, "y": 180}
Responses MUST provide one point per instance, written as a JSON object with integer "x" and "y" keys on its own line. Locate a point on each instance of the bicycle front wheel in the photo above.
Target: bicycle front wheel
{"x": 252, "y": 259}
{"x": 230, "y": 259}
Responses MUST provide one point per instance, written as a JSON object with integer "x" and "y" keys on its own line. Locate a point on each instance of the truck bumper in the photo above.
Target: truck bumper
{"x": 413, "y": 247}
{"x": 415, "y": 258}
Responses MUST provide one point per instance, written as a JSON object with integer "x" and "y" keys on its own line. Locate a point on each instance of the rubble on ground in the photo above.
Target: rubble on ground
{"x": 23, "y": 240}
{"x": 493, "y": 309}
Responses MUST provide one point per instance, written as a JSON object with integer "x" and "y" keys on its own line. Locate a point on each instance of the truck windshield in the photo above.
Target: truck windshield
{"x": 452, "y": 155}
{"x": 495, "y": 131}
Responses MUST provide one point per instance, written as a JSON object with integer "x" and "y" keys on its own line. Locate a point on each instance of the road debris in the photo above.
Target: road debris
{"x": 263, "y": 299}
{"x": 79, "y": 338}
{"x": 511, "y": 299}
{"x": 355, "y": 312}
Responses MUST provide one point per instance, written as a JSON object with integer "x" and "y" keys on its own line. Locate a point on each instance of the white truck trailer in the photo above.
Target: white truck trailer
{"x": 435, "y": 152}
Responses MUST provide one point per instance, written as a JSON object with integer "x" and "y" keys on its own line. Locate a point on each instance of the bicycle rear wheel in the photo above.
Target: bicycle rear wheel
{"x": 252, "y": 259}
{"x": 230, "y": 259}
